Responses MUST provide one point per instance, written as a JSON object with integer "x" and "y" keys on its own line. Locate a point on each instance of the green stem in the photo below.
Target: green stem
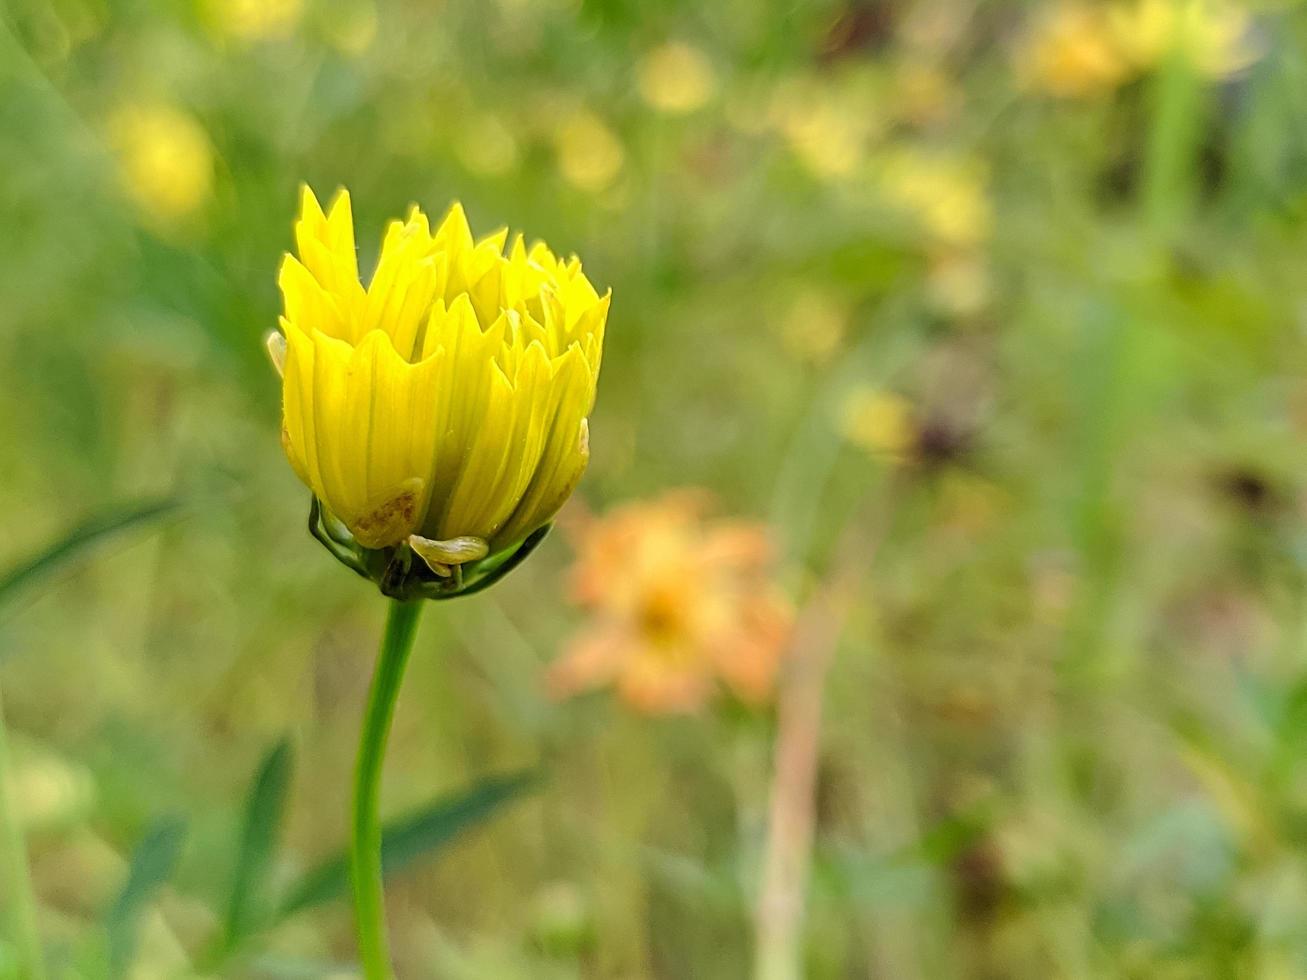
{"x": 1174, "y": 140}
{"x": 365, "y": 851}
{"x": 16, "y": 876}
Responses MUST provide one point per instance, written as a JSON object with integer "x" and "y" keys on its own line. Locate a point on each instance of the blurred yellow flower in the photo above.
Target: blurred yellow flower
{"x": 1080, "y": 50}
{"x": 50, "y": 790}
{"x": 487, "y": 147}
{"x": 445, "y": 404}
{"x": 590, "y": 155}
{"x": 924, "y": 94}
{"x": 1214, "y": 36}
{"x": 814, "y": 324}
{"x": 165, "y": 160}
{"x": 255, "y": 20}
{"x": 675, "y": 78}
{"x": 880, "y": 422}
{"x": 958, "y": 283}
{"x": 677, "y": 603}
{"x": 947, "y": 194}
{"x": 1073, "y": 51}
{"x": 827, "y": 126}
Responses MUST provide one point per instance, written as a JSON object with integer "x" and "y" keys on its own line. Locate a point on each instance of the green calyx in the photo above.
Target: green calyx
{"x": 421, "y": 568}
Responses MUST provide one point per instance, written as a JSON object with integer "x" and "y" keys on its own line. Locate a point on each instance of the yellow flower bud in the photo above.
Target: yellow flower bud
{"x": 441, "y": 410}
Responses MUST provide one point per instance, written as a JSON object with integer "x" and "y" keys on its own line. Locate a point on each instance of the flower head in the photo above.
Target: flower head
{"x": 590, "y": 155}
{"x": 675, "y": 78}
{"x": 1083, "y": 50}
{"x": 948, "y": 195}
{"x": 676, "y": 604}
{"x": 442, "y": 409}
{"x": 880, "y": 422}
{"x": 165, "y": 161}
{"x": 1212, "y": 35}
{"x": 255, "y": 20}
{"x": 1074, "y": 53}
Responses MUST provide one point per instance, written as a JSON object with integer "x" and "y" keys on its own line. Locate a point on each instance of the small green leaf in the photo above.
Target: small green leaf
{"x": 152, "y": 864}
{"x": 79, "y": 540}
{"x": 264, "y": 809}
{"x": 411, "y": 837}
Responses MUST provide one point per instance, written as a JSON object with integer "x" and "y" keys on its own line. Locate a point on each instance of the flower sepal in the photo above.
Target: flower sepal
{"x": 420, "y": 568}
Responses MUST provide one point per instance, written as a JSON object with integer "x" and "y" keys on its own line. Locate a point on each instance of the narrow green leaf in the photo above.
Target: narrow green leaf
{"x": 152, "y": 864}
{"x": 411, "y": 837}
{"x": 1179, "y": 120}
{"x": 264, "y": 809}
{"x": 79, "y": 540}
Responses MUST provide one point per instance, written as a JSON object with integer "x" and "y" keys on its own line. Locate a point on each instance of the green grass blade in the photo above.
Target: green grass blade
{"x": 412, "y": 837}
{"x": 79, "y": 540}
{"x": 1179, "y": 117}
{"x": 152, "y": 864}
{"x": 265, "y": 808}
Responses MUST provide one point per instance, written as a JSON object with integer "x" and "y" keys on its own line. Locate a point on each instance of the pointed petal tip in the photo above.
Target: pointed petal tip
{"x": 455, "y": 223}
{"x": 340, "y": 201}
{"x": 309, "y": 205}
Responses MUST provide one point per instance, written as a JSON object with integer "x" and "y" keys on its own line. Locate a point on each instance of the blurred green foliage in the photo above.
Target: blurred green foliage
{"x": 1030, "y": 350}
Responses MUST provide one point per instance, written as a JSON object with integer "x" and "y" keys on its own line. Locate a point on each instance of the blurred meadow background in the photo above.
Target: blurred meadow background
{"x": 991, "y": 316}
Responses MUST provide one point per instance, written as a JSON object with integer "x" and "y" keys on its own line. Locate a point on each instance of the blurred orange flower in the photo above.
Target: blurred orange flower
{"x": 677, "y": 604}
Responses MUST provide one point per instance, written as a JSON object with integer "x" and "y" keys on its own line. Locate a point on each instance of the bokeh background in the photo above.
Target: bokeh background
{"x": 994, "y": 314}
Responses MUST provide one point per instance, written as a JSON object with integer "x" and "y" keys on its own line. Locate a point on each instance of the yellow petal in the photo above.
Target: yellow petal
{"x": 386, "y": 439}
{"x": 400, "y": 294}
{"x": 387, "y": 519}
{"x": 484, "y": 459}
{"x": 326, "y": 248}
{"x": 454, "y": 234}
{"x": 462, "y": 389}
{"x": 503, "y": 462}
{"x": 565, "y": 453}
{"x": 297, "y": 402}
{"x": 360, "y": 428}
{"x": 341, "y": 486}
{"x": 307, "y": 304}
{"x": 297, "y": 406}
